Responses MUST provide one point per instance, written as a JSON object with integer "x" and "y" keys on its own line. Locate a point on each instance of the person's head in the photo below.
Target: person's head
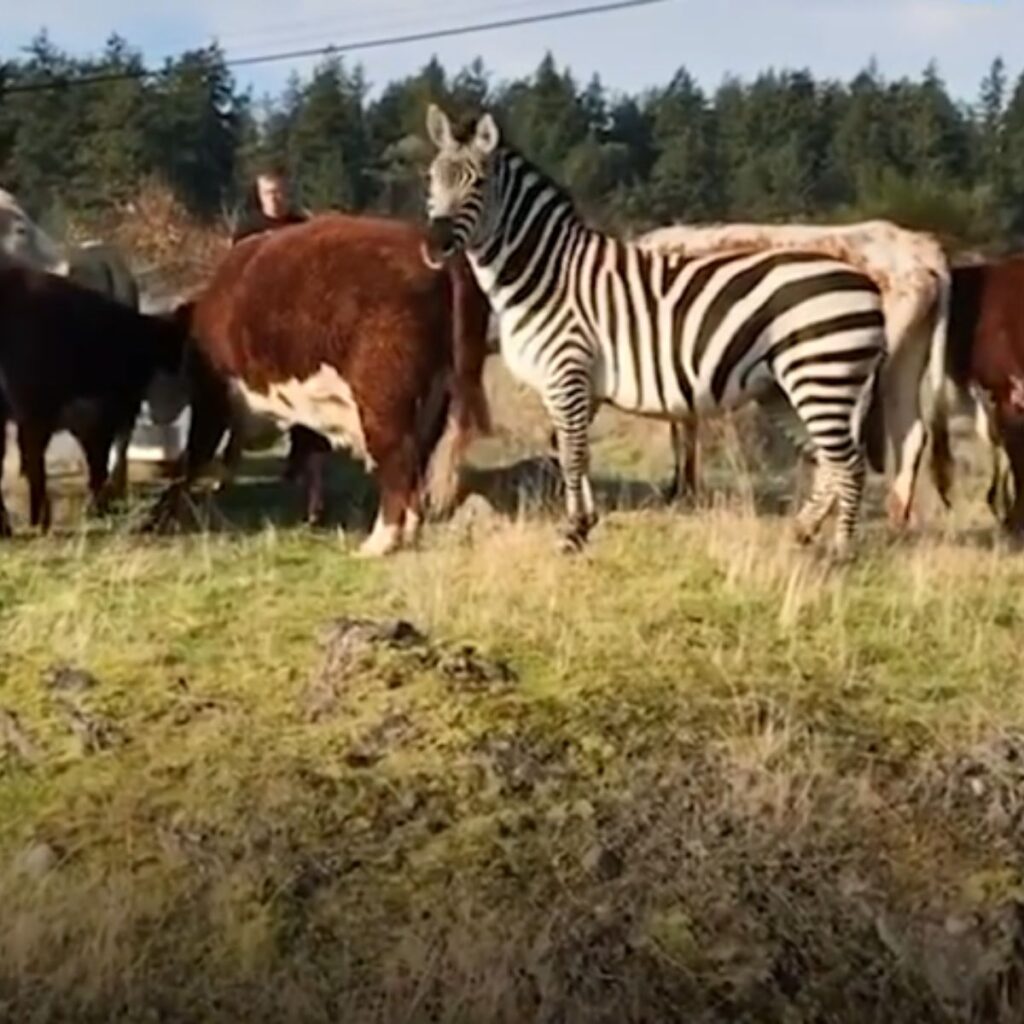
{"x": 272, "y": 193}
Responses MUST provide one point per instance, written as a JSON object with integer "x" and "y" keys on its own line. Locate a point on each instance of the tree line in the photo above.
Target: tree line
{"x": 783, "y": 146}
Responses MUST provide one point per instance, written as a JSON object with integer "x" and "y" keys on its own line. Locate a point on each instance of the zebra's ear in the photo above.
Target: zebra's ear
{"x": 487, "y": 136}
{"x": 439, "y": 128}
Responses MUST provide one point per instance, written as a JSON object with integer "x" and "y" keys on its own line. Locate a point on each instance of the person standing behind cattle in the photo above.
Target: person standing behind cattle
{"x": 270, "y": 209}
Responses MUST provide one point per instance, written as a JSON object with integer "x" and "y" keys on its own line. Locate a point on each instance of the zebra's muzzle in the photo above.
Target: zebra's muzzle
{"x": 441, "y": 242}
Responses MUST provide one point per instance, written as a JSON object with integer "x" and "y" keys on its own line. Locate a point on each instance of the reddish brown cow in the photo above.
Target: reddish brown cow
{"x": 73, "y": 359}
{"x": 985, "y": 362}
{"x": 338, "y": 326}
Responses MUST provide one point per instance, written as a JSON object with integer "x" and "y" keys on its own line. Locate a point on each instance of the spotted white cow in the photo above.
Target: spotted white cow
{"x": 913, "y": 276}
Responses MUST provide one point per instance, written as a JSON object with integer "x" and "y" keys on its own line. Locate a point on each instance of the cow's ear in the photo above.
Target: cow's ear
{"x": 487, "y": 136}
{"x": 439, "y": 128}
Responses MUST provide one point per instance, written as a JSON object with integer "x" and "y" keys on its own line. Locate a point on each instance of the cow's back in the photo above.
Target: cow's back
{"x": 102, "y": 268}
{"x": 986, "y": 331}
{"x": 59, "y": 340}
{"x": 348, "y": 292}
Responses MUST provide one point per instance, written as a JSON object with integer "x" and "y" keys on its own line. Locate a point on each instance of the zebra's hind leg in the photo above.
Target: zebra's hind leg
{"x": 849, "y": 489}
{"x": 818, "y": 506}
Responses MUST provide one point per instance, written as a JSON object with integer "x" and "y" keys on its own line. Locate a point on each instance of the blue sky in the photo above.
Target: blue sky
{"x": 629, "y": 49}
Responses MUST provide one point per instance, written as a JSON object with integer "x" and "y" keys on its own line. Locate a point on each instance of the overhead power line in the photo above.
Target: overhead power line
{"x": 389, "y": 18}
{"x": 338, "y": 48}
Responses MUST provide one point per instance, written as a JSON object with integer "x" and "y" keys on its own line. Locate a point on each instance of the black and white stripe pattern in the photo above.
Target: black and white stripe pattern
{"x": 585, "y": 318}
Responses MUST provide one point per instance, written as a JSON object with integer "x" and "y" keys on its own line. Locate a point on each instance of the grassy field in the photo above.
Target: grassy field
{"x": 696, "y": 774}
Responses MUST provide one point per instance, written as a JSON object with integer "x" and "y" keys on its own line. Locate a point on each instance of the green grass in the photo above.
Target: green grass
{"x": 730, "y": 783}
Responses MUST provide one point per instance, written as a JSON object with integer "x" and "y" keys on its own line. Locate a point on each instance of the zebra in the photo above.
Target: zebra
{"x": 586, "y": 318}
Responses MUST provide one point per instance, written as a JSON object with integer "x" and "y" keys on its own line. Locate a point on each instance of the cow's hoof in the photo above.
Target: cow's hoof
{"x": 384, "y": 539}
{"x": 898, "y": 512}
{"x": 411, "y": 529}
{"x": 6, "y": 530}
{"x": 316, "y": 519}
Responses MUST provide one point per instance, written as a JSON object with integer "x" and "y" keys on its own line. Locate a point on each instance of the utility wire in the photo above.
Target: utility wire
{"x": 335, "y": 48}
{"x": 385, "y": 20}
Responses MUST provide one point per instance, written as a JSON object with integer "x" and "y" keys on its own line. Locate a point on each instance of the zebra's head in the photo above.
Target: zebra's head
{"x": 457, "y": 181}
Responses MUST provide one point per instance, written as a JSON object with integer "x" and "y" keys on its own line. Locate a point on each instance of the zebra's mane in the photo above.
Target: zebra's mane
{"x": 561, "y": 192}
{"x": 463, "y": 132}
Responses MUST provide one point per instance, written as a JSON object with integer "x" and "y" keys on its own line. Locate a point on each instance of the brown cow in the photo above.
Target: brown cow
{"x": 336, "y": 325}
{"x": 73, "y": 359}
{"x": 985, "y": 363}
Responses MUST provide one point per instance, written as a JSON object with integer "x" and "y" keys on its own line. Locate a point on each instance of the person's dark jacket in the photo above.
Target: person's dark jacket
{"x": 256, "y": 221}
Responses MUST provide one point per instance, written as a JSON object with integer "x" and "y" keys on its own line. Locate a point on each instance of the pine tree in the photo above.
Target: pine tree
{"x": 193, "y": 129}
{"x": 112, "y": 158}
{"x": 47, "y": 128}
{"x": 328, "y": 147}
{"x": 932, "y": 132}
{"x": 545, "y": 116}
{"x": 684, "y": 183}
{"x": 990, "y": 160}
{"x": 1012, "y": 183}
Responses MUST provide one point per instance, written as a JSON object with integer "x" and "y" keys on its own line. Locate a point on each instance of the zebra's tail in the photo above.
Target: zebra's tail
{"x": 451, "y": 422}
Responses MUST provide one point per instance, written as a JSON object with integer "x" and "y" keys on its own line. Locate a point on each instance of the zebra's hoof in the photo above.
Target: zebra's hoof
{"x": 571, "y": 543}
{"x": 804, "y": 535}
{"x": 843, "y": 554}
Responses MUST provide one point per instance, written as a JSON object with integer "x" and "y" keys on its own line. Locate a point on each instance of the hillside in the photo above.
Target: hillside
{"x": 693, "y": 775}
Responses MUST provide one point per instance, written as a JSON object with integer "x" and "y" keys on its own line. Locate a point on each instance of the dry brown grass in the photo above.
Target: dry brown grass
{"x": 159, "y": 234}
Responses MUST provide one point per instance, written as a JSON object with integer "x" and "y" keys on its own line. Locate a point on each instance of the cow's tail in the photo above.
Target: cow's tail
{"x": 941, "y": 455}
{"x": 459, "y": 411}
{"x": 872, "y": 421}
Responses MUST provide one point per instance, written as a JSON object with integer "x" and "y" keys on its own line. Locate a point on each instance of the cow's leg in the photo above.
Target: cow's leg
{"x": 685, "y": 461}
{"x": 398, "y": 478}
{"x": 117, "y": 488}
{"x": 96, "y": 445}
{"x": 998, "y": 496}
{"x": 232, "y": 457}
{"x": 313, "y": 472}
{"x": 210, "y": 418}
{"x": 413, "y": 518}
{"x": 307, "y": 462}
{"x": 901, "y": 397}
{"x": 1010, "y": 428}
{"x": 5, "y": 521}
{"x": 33, "y": 440}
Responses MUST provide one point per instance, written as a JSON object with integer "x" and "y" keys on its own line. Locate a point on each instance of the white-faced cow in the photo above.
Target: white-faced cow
{"x": 337, "y": 326}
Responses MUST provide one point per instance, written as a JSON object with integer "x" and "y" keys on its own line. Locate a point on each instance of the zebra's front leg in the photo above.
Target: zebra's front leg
{"x": 570, "y": 411}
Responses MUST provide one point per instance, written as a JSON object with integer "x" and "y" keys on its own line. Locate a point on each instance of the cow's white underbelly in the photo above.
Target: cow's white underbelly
{"x": 323, "y": 402}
